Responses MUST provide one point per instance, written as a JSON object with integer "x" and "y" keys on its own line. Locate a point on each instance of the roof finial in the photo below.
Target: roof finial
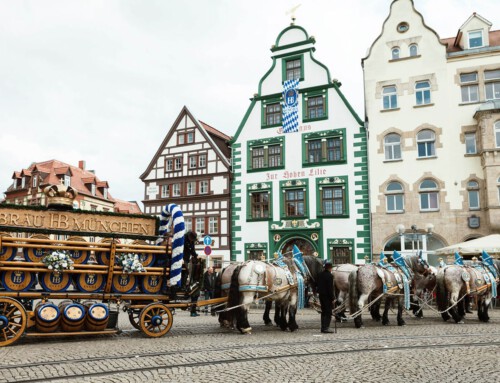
{"x": 292, "y": 12}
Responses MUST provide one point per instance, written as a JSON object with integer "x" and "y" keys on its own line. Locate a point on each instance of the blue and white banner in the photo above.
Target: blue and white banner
{"x": 290, "y": 106}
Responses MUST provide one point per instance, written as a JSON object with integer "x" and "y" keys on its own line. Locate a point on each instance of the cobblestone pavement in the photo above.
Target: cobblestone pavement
{"x": 198, "y": 350}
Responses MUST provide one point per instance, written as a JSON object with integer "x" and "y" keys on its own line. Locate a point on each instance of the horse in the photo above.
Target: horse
{"x": 422, "y": 284}
{"x": 455, "y": 282}
{"x": 222, "y": 284}
{"x": 341, "y": 287}
{"x": 368, "y": 283}
{"x": 314, "y": 266}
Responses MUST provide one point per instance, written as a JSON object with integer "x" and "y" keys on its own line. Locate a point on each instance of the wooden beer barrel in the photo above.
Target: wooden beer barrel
{"x": 7, "y": 253}
{"x": 72, "y": 316}
{"x": 36, "y": 254}
{"x": 52, "y": 282}
{"x": 79, "y": 256}
{"x": 146, "y": 259}
{"x": 102, "y": 257}
{"x": 18, "y": 280}
{"x": 150, "y": 284}
{"x": 47, "y": 317}
{"x": 97, "y": 316}
{"x": 124, "y": 283}
{"x": 89, "y": 282}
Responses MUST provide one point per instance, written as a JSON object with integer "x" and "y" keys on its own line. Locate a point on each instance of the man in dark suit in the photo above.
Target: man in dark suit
{"x": 325, "y": 291}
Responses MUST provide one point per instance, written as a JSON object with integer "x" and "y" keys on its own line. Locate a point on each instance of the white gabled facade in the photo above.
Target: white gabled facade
{"x": 191, "y": 169}
{"x": 431, "y": 110}
{"x": 310, "y": 187}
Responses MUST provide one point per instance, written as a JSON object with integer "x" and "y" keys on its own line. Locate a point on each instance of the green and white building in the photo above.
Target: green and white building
{"x": 309, "y": 187}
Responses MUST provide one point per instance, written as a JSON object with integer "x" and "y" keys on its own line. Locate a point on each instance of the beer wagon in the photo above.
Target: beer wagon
{"x": 36, "y": 300}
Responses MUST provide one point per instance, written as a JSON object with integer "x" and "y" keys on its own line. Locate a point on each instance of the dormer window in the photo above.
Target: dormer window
{"x": 105, "y": 193}
{"x": 23, "y": 182}
{"x": 67, "y": 180}
{"x": 34, "y": 181}
{"x": 92, "y": 189}
{"x": 475, "y": 39}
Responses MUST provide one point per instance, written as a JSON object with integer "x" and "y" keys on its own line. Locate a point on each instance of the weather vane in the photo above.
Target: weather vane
{"x": 292, "y": 12}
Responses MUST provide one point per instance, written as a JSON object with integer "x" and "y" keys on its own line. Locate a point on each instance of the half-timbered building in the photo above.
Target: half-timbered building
{"x": 191, "y": 168}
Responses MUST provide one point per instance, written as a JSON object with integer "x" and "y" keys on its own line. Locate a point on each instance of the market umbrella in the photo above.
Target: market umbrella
{"x": 489, "y": 243}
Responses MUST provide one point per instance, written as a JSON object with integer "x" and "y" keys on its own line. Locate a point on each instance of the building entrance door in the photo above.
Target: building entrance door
{"x": 306, "y": 247}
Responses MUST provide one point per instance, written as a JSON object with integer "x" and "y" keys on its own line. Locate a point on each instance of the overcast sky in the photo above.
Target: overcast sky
{"x": 103, "y": 81}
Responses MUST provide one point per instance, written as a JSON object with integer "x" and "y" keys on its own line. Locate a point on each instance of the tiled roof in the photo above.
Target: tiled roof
{"x": 130, "y": 207}
{"x": 494, "y": 37}
{"x": 214, "y": 131}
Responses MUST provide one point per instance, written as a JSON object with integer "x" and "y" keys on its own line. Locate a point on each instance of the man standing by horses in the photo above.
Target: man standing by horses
{"x": 325, "y": 291}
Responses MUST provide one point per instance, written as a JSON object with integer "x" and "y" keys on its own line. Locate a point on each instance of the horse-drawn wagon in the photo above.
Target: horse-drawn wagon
{"x": 67, "y": 272}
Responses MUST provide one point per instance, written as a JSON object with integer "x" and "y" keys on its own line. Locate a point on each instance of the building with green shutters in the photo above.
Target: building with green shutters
{"x": 307, "y": 187}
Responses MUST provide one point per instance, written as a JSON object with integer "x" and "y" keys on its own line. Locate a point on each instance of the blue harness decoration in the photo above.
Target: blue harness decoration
{"x": 458, "y": 259}
{"x": 299, "y": 262}
{"x": 487, "y": 261}
{"x": 172, "y": 214}
{"x": 399, "y": 260}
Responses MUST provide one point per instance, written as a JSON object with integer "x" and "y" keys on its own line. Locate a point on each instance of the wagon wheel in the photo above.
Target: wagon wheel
{"x": 155, "y": 320}
{"x": 12, "y": 321}
{"x": 134, "y": 316}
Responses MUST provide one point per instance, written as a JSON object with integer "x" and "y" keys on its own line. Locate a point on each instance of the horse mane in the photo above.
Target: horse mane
{"x": 314, "y": 265}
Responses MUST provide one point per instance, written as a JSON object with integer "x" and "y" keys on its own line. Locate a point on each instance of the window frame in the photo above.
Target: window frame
{"x": 324, "y": 137}
{"x": 394, "y": 195}
{"x": 178, "y": 160}
{"x": 392, "y": 146}
{"x": 293, "y": 185}
{"x": 264, "y": 105}
{"x": 200, "y": 229}
{"x": 422, "y": 92}
{"x": 204, "y": 156}
{"x": 193, "y": 185}
{"x": 428, "y": 192}
{"x": 264, "y": 144}
{"x": 201, "y": 188}
{"x": 259, "y": 188}
{"x": 306, "y": 96}
{"x": 426, "y": 143}
{"x": 470, "y": 38}
{"x": 177, "y": 189}
{"x": 494, "y": 83}
{"x": 467, "y": 142}
{"x": 410, "y": 53}
{"x": 473, "y": 189}
{"x": 395, "y": 53}
{"x": 467, "y": 85}
{"x": 292, "y": 58}
{"x": 169, "y": 165}
{"x": 391, "y": 97}
{"x": 192, "y": 160}
{"x": 332, "y": 182}
{"x": 165, "y": 191}
{"x": 211, "y": 226}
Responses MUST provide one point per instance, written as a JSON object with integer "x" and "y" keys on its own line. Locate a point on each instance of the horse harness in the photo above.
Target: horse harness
{"x": 477, "y": 278}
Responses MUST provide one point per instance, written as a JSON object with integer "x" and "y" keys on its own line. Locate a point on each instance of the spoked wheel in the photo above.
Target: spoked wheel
{"x": 12, "y": 321}
{"x": 134, "y": 316}
{"x": 156, "y": 320}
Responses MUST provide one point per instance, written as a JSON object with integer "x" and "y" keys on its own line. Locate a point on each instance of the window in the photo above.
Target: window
{"x": 176, "y": 190}
{"x": 392, "y": 147}
{"x": 429, "y": 196}
{"x": 475, "y": 39}
{"x": 273, "y": 114}
{"x": 92, "y": 189}
{"x": 413, "y": 50}
{"x": 470, "y": 143}
{"x": 334, "y": 149}
{"x": 200, "y": 225}
{"x": 203, "y": 187}
{"x": 169, "y": 165}
{"x": 178, "y": 163}
{"x": 340, "y": 255}
{"x": 188, "y": 224}
{"x": 492, "y": 86}
{"x": 293, "y": 69}
{"x": 255, "y": 255}
{"x": 190, "y": 137}
{"x": 260, "y": 205}
{"x": 34, "y": 181}
{"x": 394, "y": 198}
{"x": 192, "y": 162}
{"x": 389, "y": 97}
{"x": 473, "y": 192}
{"x": 497, "y": 134}
{"x": 23, "y": 182}
{"x": 258, "y": 158}
{"x": 426, "y": 143}
{"x": 274, "y": 153}
{"x": 469, "y": 87}
{"x": 202, "y": 160}
{"x": 93, "y": 208}
{"x": 295, "y": 203}
{"x": 423, "y": 93}
{"x": 395, "y": 53}
{"x": 191, "y": 188}
{"x": 105, "y": 193}
{"x": 181, "y": 139}
{"x": 165, "y": 191}
{"x": 333, "y": 201}
{"x": 213, "y": 225}
{"x": 314, "y": 151}
{"x": 315, "y": 107}
{"x": 67, "y": 182}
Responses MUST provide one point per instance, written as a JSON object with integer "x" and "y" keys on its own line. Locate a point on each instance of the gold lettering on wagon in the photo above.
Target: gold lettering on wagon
{"x": 71, "y": 221}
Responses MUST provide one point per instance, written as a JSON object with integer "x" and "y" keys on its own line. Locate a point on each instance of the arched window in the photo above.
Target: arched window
{"x": 497, "y": 134}
{"x": 390, "y": 97}
{"x": 423, "y": 92}
{"x": 394, "y": 197}
{"x": 429, "y": 195}
{"x": 426, "y": 143}
{"x": 413, "y": 50}
{"x": 392, "y": 146}
{"x": 395, "y": 53}
{"x": 473, "y": 191}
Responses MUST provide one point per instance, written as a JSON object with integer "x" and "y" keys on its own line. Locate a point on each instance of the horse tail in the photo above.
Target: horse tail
{"x": 218, "y": 284}
{"x": 441, "y": 293}
{"x": 233, "y": 298}
{"x": 353, "y": 291}
{"x": 172, "y": 215}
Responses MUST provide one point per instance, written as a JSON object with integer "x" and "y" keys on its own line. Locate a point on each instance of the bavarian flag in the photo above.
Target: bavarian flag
{"x": 486, "y": 258}
{"x": 383, "y": 260}
{"x": 458, "y": 259}
{"x": 398, "y": 259}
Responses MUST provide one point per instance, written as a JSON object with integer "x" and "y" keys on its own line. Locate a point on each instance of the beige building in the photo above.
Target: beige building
{"x": 433, "y": 117}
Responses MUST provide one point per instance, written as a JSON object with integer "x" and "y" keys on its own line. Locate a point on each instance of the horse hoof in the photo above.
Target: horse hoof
{"x": 247, "y": 330}
{"x": 460, "y": 322}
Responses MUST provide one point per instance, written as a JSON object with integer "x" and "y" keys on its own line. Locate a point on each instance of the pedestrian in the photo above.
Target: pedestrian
{"x": 325, "y": 291}
{"x": 209, "y": 279}
{"x": 190, "y": 257}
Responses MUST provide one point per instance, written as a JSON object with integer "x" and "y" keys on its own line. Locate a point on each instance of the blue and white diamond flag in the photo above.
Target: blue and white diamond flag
{"x": 290, "y": 106}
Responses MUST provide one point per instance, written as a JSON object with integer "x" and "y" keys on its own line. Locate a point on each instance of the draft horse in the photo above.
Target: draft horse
{"x": 367, "y": 284}
{"x": 454, "y": 282}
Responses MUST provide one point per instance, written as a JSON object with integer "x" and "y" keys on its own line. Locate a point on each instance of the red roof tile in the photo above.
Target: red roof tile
{"x": 130, "y": 207}
{"x": 214, "y": 131}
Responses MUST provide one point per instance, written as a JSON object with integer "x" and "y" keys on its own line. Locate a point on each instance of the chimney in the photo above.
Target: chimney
{"x": 81, "y": 165}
